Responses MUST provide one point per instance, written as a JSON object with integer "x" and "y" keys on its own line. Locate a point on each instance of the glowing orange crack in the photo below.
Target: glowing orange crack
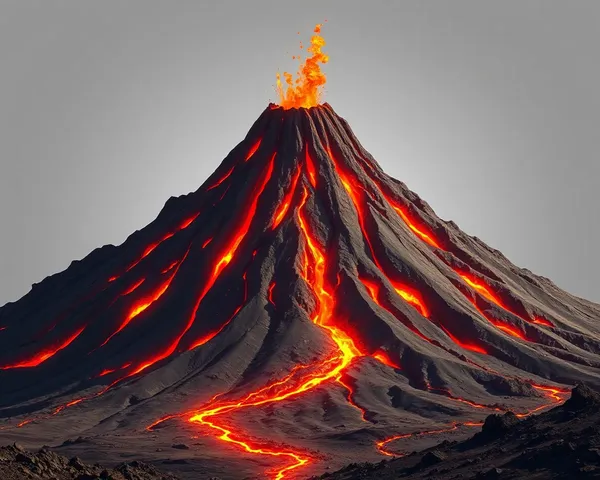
{"x": 44, "y": 355}
{"x": 382, "y": 443}
{"x": 467, "y": 346}
{"x": 310, "y": 167}
{"x": 373, "y": 290}
{"x": 270, "y": 293}
{"x": 383, "y": 358}
{"x": 253, "y": 149}
{"x": 485, "y": 291}
{"x": 209, "y": 336}
{"x": 228, "y": 253}
{"x": 410, "y": 296}
{"x": 350, "y": 398}
{"x": 482, "y": 289}
{"x": 287, "y": 201}
{"x": 222, "y": 179}
{"x": 141, "y": 305}
{"x": 410, "y": 223}
{"x": 427, "y": 238}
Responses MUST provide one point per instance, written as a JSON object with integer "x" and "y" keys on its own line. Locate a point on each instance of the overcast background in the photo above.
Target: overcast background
{"x": 490, "y": 111}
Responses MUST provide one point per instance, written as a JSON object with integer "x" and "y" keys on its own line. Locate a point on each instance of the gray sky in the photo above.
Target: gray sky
{"x": 490, "y": 111}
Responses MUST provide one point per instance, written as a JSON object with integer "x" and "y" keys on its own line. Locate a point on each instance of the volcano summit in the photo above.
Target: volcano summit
{"x": 300, "y": 310}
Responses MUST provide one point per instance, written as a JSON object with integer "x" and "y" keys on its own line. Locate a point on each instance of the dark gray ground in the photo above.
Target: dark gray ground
{"x": 563, "y": 443}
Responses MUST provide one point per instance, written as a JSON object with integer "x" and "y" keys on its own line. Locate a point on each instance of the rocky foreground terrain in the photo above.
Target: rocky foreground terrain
{"x": 563, "y": 443}
{"x": 18, "y": 464}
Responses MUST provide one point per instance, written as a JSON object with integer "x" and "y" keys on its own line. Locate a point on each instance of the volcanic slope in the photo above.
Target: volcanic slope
{"x": 298, "y": 311}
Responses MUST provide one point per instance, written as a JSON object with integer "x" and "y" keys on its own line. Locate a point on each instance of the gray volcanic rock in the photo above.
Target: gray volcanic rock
{"x": 316, "y": 303}
{"x": 545, "y": 446}
{"x": 17, "y": 464}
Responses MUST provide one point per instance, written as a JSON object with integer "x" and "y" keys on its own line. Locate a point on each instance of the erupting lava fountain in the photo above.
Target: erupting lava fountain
{"x": 301, "y": 309}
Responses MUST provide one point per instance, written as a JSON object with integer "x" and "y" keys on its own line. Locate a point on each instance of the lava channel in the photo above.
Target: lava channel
{"x": 293, "y": 385}
{"x": 42, "y": 356}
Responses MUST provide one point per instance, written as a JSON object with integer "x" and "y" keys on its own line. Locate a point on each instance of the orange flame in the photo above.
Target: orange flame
{"x": 306, "y": 90}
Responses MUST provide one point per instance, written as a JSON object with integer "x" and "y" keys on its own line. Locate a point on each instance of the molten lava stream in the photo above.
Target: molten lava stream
{"x": 485, "y": 291}
{"x": 40, "y": 357}
{"x": 286, "y": 202}
{"x": 209, "y": 336}
{"x": 150, "y": 248}
{"x": 428, "y": 238}
{"x": 224, "y": 260}
{"x": 350, "y": 398}
{"x": 145, "y": 302}
{"x": 553, "y": 393}
{"x": 418, "y": 230}
{"x": 412, "y": 297}
{"x": 310, "y": 167}
{"x": 294, "y": 384}
{"x": 381, "y": 445}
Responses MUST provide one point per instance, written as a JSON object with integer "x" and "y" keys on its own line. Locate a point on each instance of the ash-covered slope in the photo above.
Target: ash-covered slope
{"x": 562, "y": 443}
{"x": 325, "y": 304}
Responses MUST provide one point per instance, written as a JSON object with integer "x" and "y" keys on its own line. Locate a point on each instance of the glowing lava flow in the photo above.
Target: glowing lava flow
{"x": 553, "y": 393}
{"x": 383, "y": 358}
{"x": 419, "y": 231}
{"x": 482, "y": 289}
{"x": 373, "y": 290}
{"x": 214, "y": 333}
{"x": 142, "y": 305}
{"x": 350, "y": 398}
{"x": 310, "y": 167}
{"x": 291, "y": 386}
{"x": 469, "y": 280}
{"x": 306, "y": 91}
{"x": 287, "y": 201}
{"x": 381, "y": 445}
{"x": 253, "y": 149}
{"x": 270, "y": 293}
{"x": 44, "y": 355}
{"x": 485, "y": 291}
{"x": 248, "y": 156}
{"x": 222, "y": 179}
{"x": 221, "y": 264}
{"x": 150, "y": 248}
{"x": 227, "y": 255}
{"x": 504, "y": 327}
{"x": 410, "y": 296}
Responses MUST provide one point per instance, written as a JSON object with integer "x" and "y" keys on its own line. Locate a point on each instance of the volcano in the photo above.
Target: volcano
{"x": 299, "y": 311}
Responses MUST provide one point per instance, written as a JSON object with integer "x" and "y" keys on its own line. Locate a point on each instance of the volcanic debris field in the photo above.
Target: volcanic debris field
{"x": 299, "y": 311}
